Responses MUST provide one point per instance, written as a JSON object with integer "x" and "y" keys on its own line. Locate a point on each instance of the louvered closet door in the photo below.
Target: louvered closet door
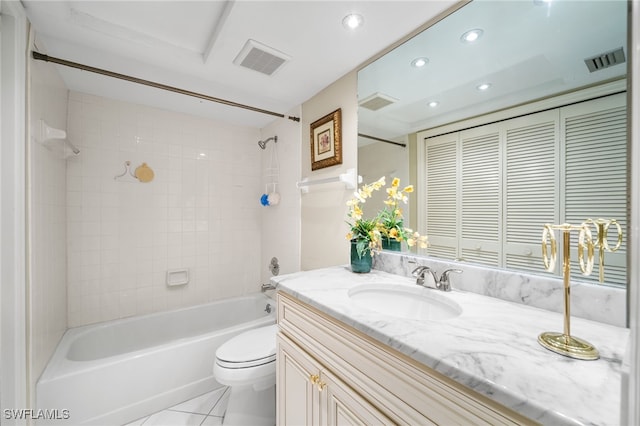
{"x": 441, "y": 177}
{"x": 531, "y": 186}
{"x": 595, "y": 181}
{"x": 480, "y": 195}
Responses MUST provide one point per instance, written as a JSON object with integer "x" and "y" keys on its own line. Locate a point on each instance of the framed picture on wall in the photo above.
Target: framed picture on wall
{"x": 326, "y": 147}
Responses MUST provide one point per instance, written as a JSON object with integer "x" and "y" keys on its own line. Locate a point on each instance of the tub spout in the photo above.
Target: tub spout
{"x": 267, "y": 286}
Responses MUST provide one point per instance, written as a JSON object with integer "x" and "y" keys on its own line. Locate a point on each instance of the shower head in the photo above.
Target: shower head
{"x": 263, "y": 144}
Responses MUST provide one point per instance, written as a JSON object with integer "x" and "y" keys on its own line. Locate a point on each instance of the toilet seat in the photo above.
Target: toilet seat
{"x": 251, "y": 348}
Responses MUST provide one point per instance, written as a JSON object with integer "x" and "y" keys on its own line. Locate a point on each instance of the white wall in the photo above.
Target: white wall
{"x": 13, "y": 357}
{"x": 324, "y": 209}
{"x": 383, "y": 159}
{"x": 201, "y": 211}
{"x": 281, "y": 223}
{"x": 46, "y": 184}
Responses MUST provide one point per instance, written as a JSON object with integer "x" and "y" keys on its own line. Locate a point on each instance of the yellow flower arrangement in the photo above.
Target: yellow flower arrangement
{"x": 364, "y": 231}
{"x": 388, "y": 223}
{"x": 391, "y": 220}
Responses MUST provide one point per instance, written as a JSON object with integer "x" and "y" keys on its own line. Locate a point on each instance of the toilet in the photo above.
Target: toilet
{"x": 247, "y": 363}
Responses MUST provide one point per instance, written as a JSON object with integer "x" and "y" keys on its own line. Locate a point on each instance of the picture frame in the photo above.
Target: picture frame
{"x": 326, "y": 141}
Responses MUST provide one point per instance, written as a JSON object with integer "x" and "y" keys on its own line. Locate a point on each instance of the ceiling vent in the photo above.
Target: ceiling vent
{"x": 377, "y": 101}
{"x": 605, "y": 60}
{"x": 258, "y": 57}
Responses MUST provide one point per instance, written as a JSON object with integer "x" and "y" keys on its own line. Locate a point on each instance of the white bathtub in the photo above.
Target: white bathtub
{"x": 115, "y": 372}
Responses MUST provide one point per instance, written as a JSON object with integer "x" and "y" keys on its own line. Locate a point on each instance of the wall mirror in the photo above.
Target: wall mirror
{"x": 540, "y": 61}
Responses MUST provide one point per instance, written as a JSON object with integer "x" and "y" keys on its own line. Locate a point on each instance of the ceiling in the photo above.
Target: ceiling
{"x": 192, "y": 45}
{"x": 529, "y": 50}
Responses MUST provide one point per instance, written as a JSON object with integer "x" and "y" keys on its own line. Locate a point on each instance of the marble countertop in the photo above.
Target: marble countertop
{"x": 491, "y": 347}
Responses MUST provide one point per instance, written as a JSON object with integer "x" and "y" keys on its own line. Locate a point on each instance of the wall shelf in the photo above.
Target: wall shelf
{"x": 50, "y": 136}
{"x": 350, "y": 180}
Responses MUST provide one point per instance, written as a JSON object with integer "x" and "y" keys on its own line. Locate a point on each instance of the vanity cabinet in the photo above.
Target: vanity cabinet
{"x": 330, "y": 373}
{"x": 315, "y": 396}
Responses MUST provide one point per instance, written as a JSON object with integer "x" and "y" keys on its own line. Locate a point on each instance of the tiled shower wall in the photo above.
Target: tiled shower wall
{"x": 200, "y": 212}
{"x": 281, "y": 223}
{"x": 47, "y": 217}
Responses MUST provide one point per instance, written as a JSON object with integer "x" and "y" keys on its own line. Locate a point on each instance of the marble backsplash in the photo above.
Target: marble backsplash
{"x": 594, "y": 302}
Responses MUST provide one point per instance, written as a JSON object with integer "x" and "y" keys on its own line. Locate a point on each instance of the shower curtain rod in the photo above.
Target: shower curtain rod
{"x": 362, "y": 135}
{"x": 47, "y": 58}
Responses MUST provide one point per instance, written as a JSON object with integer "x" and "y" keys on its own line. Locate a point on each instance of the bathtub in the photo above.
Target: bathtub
{"x": 118, "y": 371}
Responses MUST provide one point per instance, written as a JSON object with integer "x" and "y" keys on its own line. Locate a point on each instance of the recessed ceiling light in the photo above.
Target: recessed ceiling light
{"x": 419, "y": 62}
{"x": 471, "y": 35}
{"x": 353, "y": 21}
{"x": 434, "y": 104}
{"x": 483, "y": 86}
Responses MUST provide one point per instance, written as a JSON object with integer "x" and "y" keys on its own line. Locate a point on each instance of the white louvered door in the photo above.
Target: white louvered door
{"x": 441, "y": 180}
{"x": 480, "y": 195}
{"x": 595, "y": 173}
{"x": 531, "y": 186}
{"x": 490, "y": 189}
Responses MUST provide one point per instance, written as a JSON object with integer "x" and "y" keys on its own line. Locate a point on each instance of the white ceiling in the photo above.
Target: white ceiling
{"x": 530, "y": 49}
{"x": 192, "y": 45}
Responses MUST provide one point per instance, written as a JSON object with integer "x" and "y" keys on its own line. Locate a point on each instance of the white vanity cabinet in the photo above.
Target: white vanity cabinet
{"x": 315, "y": 396}
{"x": 329, "y": 373}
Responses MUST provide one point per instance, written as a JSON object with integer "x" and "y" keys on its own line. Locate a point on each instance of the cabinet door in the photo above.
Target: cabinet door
{"x": 341, "y": 405}
{"x": 297, "y": 395}
{"x": 309, "y": 395}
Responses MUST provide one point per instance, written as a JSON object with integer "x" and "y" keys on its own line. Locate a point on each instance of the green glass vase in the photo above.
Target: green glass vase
{"x": 391, "y": 244}
{"x": 360, "y": 264}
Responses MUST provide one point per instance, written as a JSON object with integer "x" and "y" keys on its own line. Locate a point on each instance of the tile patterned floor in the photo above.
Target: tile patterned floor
{"x": 204, "y": 410}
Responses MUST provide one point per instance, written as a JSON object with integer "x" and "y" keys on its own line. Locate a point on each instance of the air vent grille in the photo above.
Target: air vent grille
{"x": 605, "y": 60}
{"x": 259, "y": 57}
{"x": 377, "y": 101}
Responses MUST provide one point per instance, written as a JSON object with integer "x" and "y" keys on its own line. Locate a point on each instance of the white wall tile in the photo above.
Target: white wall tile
{"x": 48, "y": 201}
{"x": 125, "y": 236}
{"x": 280, "y": 224}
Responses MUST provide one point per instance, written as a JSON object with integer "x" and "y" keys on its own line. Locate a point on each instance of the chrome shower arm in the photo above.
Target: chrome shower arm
{"x": 263, "y": 144}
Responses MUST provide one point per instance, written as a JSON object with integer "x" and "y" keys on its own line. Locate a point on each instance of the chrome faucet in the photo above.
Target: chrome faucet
{"x": 445, "y": 284}
{"x": 267, "y": 286}
{"x": 419, "y": 274}
{"x": 441, "y": 283}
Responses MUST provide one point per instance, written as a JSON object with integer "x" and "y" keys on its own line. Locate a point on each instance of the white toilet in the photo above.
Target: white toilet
{"x": 247, "y": 363}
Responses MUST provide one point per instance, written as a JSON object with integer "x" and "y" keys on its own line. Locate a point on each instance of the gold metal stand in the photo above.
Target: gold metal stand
{"x": 602, "y": 229}
{"x": 564, "y": 343}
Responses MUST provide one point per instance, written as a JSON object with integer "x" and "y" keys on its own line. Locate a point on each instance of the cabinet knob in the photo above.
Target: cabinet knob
{"x": 315, "y": 379}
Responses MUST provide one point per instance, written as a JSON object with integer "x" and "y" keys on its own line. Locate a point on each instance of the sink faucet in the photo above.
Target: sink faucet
{"x": 419, "y": 274}
{"x": 441, "y": 283}
{"x": 445, "y": 284}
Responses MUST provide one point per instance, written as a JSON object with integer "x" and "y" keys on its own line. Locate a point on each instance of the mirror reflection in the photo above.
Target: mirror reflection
{"x": 505, "y": 116}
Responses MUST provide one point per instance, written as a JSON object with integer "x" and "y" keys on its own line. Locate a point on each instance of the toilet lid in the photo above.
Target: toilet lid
{"x": 248, "y": 349}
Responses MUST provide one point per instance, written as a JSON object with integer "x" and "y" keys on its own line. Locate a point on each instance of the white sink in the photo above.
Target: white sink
{"x": 405, "y": 302}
